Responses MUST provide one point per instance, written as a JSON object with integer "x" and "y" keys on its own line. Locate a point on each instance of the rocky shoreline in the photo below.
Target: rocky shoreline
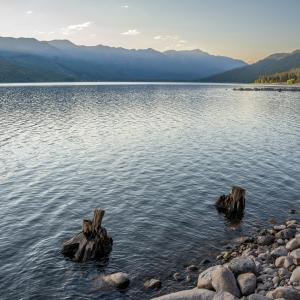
{"x": 264, "y": 265}
{"x": 269, "y": 89}
{"x": 261, "y": 267}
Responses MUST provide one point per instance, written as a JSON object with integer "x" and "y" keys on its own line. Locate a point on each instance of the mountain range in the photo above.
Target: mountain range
{"x": 30, "y": 60}
{"x": 276, "y": 63}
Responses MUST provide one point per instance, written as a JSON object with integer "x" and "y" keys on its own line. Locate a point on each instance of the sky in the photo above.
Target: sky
{"x": 244, "y": 29}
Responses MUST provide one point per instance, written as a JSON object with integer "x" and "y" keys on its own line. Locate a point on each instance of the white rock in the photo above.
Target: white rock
{"x": 293, "y": 244}
{"x": 279, "y": 227}
{"x": 247, "y": 283}
{"x": 195, "y": 294}
{"x": 279, "y": 262}
{"x": 224, "y": 296}
{"x": 205, "y": 278}
{"x": 224, "y": 280}
{"x": 296, "y": 256}
{"x": 291, "y": 222}
{"x": 116, "y": 280}
{"x": 152, "y": 284}
{"x": 296, "y": 276}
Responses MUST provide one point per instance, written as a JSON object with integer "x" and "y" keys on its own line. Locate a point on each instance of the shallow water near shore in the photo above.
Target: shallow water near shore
{"x": 155, "y": 157}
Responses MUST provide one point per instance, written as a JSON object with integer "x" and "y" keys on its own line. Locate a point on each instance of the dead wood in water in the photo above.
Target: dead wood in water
{"x": 232, "y": 205}
{"x": 92, "y": 242}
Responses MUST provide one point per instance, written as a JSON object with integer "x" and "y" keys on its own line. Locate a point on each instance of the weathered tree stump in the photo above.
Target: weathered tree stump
{"x": 232, "y": 205}
{"x": 92, "y": 242}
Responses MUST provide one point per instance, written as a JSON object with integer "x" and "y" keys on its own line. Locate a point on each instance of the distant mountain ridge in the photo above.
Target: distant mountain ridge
{"x": 30, "y": 60}
{"x": 275, "y": 63}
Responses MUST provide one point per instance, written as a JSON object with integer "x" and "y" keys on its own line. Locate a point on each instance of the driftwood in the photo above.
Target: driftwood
{"x": 232, "y": 205}
{"x": 92, "y": 242}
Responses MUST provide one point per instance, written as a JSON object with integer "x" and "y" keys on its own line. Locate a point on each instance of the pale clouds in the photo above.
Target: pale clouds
{"x": 167, "y": 37}
{"x": 29, "y": 12}
{"x": 131, "y": 32}
{"x": 74, "y": 28}
{"x": 125, "y": 6}
{"x": 171, "y": 41}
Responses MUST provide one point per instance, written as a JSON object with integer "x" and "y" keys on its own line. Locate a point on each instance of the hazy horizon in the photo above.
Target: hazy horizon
{"x": 264, "y": 27}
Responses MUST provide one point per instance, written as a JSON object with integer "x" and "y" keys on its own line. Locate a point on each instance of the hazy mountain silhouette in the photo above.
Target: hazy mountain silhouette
{"x": 274, "y": 63}
{"x": 30, "y": 60}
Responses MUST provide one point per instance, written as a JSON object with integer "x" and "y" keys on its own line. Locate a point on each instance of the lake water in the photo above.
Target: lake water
{"x": 155, "y": 157}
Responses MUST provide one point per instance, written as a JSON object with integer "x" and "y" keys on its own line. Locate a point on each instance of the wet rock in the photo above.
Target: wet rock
{"x": 293, "y": 244}
{"x": 292, "y": 211}
{"x": 152, "y": 284}
{"x": 205, "y": 262}
{"x": 247, "y": 283}
{"x": 224, "y": 296}
{"x": 291, "y": 222}
{"x": 241, "y": 265}
{"x": 178, "y": 277}
{"x": 265, "y": 240}
{"x": 224, "y": 280}
{"x": 296, "y": 256}
{"x": 116, "y": 280}
{"x": 279, "y": 227}
{"x": 288, "y": 234}
{"x": 296, "y": 276}
{"x": 285, "y": 293}
{"x": 280, "y": 251}
{"x": 194, "y": 294}
{"x": 192, "y": 268}
{"x": 205, "y": 278}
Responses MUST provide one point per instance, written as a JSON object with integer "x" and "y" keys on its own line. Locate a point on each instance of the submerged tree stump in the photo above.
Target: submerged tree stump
{"x": 92, "y": 242}
{"x": 232, "y": 205}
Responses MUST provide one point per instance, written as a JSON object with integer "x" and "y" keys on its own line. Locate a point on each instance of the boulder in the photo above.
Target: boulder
{"x": 224, "y": 280}
{"x": 296, "y": 276}
{"x": 293, "y": 244}
{"x": 205, "y": 278}
{"x": 286, "y": 293}
{"x": 116, "y": 280}
{"x": 152, "y": 284}
{"x": 224, "y": 296}
{"x": 296, "y": 256}
{"x": 280, "y": 251}
{"x": 247, "y": 283}
{"x": 242, "y": 265}
{"x": 195, "y": 294}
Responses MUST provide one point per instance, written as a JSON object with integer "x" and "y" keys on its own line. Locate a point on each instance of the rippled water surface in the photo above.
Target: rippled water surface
{"x": 155, "y": 157}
